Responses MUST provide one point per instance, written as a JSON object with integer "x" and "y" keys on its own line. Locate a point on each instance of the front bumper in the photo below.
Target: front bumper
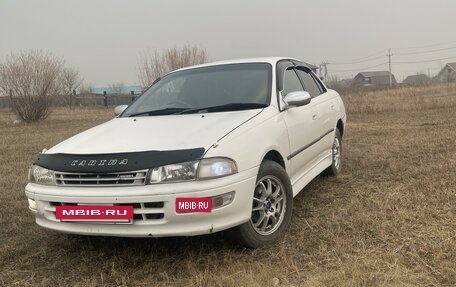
{"x": 154, "y": 210}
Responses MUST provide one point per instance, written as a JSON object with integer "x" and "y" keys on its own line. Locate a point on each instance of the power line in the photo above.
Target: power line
{"x": 360, "y": 69}
{"x": 428, "y": 51}
{"x": 424, "y": 61}
{"x": 426, "y": 46}
{"x": 361, "y": 59}
{"x": 376, "y": 55}
{"x": 356, "y": 62}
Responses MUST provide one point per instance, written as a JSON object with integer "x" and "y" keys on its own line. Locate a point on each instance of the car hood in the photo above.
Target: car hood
{"x": 172, "y": 132}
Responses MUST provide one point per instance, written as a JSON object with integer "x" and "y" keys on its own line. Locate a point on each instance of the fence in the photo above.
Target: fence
{"x": 4, "y": 102}
{"x": 85, "y": 100}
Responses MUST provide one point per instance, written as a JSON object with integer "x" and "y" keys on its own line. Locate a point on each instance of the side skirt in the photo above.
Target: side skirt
{"x": 301, "y": 181}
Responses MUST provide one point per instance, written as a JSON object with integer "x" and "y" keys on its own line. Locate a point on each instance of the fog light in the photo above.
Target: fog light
{"x": 32, "y": 204}
{"x": 222, "y": 200}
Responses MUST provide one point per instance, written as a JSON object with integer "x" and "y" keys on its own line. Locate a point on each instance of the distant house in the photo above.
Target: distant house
{"x": 447, "y": 74}
{"x": 378, "y": 78}
{"x": 416, "y": 80}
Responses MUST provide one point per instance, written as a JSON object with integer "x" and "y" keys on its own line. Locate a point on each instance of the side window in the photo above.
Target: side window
{"x": 291, "y": 82}
{"x": 309, "y": 83}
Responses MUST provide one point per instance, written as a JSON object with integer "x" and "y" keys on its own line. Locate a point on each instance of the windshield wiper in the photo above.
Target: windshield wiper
{"x": 166, "y": 111}
{"x": 223, "y": 108}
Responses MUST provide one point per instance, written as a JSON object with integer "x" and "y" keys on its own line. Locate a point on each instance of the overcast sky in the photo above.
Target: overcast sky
{"x": 103, "y": 38}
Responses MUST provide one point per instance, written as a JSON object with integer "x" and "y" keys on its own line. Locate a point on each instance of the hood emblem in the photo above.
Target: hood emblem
{"x": 100, "y": 162}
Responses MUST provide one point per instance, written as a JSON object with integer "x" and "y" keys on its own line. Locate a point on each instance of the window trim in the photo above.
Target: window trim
{"x": 281, "y": 67}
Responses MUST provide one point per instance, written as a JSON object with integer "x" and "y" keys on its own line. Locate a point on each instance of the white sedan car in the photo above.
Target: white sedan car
{"x": 226, "y": 145}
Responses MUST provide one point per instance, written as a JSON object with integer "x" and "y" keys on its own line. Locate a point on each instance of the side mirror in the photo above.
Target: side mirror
{"x": 119, "y": 109}
{"x": 296, "y": 99}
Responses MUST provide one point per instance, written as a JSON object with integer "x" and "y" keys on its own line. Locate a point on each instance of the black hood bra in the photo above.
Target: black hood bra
{"x": 115, "y": 162}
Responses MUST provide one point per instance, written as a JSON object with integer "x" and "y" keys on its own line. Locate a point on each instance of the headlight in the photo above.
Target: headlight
{"x": 174, "y": 172}
{"x": 216, "y": 167}
{"x": 41, "y": 175}
{"x": 192, "y": 170}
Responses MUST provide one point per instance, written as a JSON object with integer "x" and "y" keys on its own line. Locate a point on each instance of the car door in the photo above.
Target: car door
{"x": 324, "y": 105}
{"x": 301, "y": 126}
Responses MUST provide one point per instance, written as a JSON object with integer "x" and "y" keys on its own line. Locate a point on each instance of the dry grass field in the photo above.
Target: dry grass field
{"x": 388, "y": 220}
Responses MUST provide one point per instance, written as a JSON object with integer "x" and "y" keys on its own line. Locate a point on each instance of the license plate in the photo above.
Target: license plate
{"x": 193, "y": 204}
{"x": 93, "y": 213}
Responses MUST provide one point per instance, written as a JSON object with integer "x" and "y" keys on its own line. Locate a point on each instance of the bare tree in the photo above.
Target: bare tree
{"x": 32, "y": 80}
{"x": 85, "y": 88}
{"x": 71, "y": 81}
{"x": 152, "y": 65}
{"x": 117, "y": 88}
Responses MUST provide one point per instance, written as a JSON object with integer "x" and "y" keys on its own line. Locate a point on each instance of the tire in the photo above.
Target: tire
{"x": 336, "y": 151}
{"x": 271, "y": 208}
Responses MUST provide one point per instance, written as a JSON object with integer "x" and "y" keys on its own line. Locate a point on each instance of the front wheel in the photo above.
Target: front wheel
{"x": 272, "y": 206}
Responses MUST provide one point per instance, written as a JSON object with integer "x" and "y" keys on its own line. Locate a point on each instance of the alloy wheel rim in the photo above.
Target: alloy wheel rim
{"x": 336, "y": 153}
{"x": 269, "y": 205}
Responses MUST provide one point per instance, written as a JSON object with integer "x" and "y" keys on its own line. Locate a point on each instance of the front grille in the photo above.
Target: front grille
{"x": 105, "y": 179}
{"x": 142, "y": 211}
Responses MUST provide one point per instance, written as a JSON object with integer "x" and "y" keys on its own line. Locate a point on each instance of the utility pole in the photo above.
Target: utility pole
{"x": 326, "y": 72}
{"x": 389, "y": 64}
{"x": 325, "y": 75}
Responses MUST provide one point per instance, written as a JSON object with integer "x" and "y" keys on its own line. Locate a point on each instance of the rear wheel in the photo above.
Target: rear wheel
{"x": 336, "y": 151}
{"x": 272, "y": 206}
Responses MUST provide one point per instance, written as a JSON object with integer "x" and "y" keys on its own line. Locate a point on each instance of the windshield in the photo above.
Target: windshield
{"x": 233, "y": 86}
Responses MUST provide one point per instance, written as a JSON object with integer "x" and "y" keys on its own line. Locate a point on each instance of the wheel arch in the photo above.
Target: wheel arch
{"x": 340, "y": 127}
{"x": 275, "y": 156}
